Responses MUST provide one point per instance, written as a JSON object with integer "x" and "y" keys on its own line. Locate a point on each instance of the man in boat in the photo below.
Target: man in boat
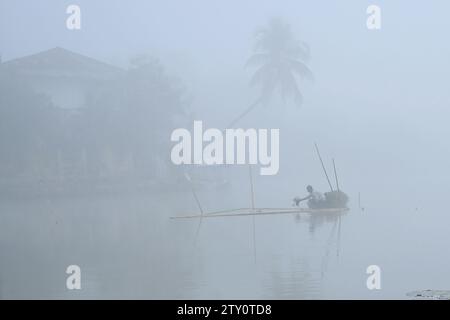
{"x": 315, "y": 198}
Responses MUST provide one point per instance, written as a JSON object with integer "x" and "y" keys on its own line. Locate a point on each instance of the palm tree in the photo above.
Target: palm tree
{"x": 279, "y": 59}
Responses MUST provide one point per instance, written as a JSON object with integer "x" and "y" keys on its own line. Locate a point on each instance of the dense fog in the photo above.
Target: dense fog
{"x": 87, "y": 179}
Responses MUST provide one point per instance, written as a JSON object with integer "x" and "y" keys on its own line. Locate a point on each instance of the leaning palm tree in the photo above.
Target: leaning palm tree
{"x": 280, "y": 59}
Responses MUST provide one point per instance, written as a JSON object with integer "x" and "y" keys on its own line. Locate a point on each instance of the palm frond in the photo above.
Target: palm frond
{"x": 299, "y": 50}
{"x": 257, "y": 59}
{"x": 289, "y": 87}
{"x": 300, "y": 69}
{"x": 262, "y": 75}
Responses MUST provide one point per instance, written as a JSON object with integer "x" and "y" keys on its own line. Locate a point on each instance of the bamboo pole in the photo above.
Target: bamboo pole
{"x": 259, "y": 212}
{"x": 251, "y": 186}
{"x": 197, "y": 232}
{"x": 335, "y": 176}
{"x": 253, "y": 208}
{"x": 323, "y": 167}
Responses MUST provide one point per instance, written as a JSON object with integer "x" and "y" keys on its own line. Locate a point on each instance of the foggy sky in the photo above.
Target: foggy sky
{"x": 379, "y": 103}
{"x": 375, "y": 90}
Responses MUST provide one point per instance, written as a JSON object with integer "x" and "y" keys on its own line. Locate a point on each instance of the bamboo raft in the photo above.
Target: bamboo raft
{"x": 336, "y": 202}
{"x": 242, "y": 212}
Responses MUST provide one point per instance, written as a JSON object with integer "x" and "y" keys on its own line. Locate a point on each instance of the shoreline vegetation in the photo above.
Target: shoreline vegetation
{"x": 70, "y": 123}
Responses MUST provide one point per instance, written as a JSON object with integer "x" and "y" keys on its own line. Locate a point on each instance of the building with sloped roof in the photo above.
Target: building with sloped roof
{"x": 65, "y": 76}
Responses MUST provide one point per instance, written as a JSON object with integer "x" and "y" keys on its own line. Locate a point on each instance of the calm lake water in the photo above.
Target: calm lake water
{"x": 127, "y": 247}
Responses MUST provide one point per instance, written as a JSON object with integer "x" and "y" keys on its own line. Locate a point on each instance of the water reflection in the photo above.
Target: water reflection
{"x": 297, "y": 281}
{"x": 128, "y": 248}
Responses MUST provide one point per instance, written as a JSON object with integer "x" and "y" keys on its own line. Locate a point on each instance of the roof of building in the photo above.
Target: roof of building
{"x": 60, "y": 62}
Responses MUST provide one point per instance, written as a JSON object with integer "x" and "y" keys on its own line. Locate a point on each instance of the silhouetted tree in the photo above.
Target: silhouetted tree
{"x": 135, "y": 114}
{"x": 279, "y": 58}
{"x": 28, "y": 127}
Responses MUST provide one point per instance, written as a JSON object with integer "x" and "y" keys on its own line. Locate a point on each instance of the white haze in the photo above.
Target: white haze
{"x": 379, "y": 105}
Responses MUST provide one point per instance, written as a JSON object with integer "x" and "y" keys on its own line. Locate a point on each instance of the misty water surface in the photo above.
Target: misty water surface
{"x": 379, "y": 105}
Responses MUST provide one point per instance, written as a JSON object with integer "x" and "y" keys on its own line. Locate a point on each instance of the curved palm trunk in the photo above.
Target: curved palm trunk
{"x": 243, "y": 114}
